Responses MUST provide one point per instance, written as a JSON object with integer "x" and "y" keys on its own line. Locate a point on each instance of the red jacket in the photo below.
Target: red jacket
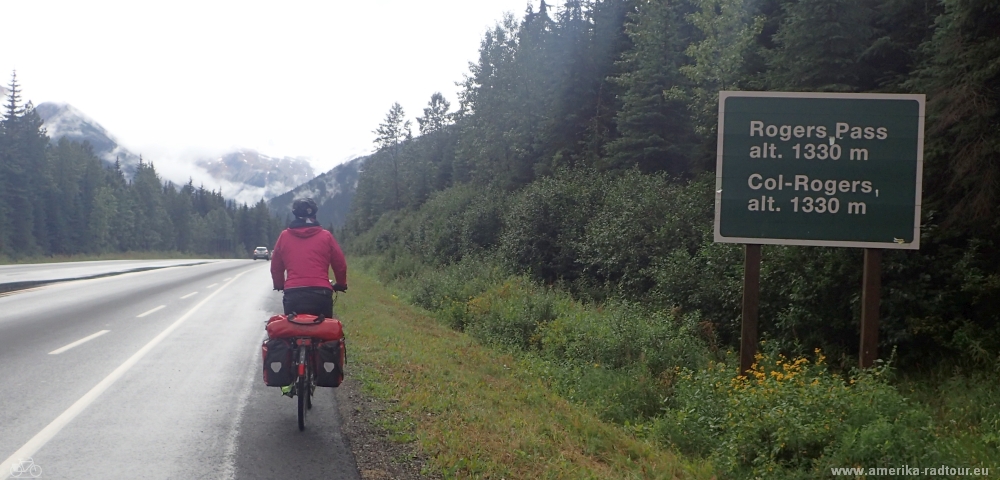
{"x": 307, "y": 254}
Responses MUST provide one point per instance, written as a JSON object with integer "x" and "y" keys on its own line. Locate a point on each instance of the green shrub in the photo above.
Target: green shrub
{"x": 794, "y": 419}
{"x": 511, "y": 313}
{"x": 641, "y": 218}
{"x": 622, "y": 335}
{"x": 623, "y": 396}
{"x": 544, "y": 222}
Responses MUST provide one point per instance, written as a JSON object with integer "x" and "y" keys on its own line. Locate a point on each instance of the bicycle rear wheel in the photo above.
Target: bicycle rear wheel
{"x": 309, "y": 397}
{"x": 302, "y": 391}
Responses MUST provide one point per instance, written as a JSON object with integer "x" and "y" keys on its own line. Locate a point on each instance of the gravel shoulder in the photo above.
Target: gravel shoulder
{"x": 377, "y": 456}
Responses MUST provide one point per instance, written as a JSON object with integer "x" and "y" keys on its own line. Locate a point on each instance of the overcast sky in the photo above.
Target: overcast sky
{"x": 296, "y": 78}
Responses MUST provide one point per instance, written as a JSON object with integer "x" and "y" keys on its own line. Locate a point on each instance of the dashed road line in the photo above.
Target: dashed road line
{"x": 189, "y": 295}
{"x": 212, "y": 285}
{"x": 53, "y": 428}
{"x": 151, "y": 311}
{"x": 78, "y": 342}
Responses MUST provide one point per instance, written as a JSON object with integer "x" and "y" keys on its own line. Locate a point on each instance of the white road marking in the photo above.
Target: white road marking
{"x": 151, "y": 311}
{"x": 212, "y": 285}
{"x": 78, "y": 342}
{"x": 189, "y": 295}
{"x": 41, "y": 438}
{"x": 226, "y": 279}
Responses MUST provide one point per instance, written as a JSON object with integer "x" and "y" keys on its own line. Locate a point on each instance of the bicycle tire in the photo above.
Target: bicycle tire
{"x": 303, "y": 394}
{"x": 309, "y": 386}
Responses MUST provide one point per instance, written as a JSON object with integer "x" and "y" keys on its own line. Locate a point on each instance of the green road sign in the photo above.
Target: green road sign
{"x": 826, "y": 169}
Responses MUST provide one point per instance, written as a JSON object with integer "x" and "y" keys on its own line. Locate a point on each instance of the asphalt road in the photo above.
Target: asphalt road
{"x": 155, "y": 374}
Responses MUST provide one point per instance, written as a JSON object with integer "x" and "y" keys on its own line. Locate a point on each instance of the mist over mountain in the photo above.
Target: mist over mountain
{"x": 257, "y": 176}
{"x": 243, "y": 175}
{"x": 333, "y": 192}
{"x": 64, "y": 121}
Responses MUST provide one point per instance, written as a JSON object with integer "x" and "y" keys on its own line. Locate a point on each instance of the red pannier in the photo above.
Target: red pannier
{"x": 280, "y": 326}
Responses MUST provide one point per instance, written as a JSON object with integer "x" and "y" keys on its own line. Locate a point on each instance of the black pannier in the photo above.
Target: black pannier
{"x": 330, "y": 363}
{"x": 277, "y": 354}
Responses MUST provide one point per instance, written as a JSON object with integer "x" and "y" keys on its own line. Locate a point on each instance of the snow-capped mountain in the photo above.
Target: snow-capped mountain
{"x": 243, "y": 175}
{"x": 257, "y": 176}
{"x": 64, "y": 121}
{"x": 332, "y": 191}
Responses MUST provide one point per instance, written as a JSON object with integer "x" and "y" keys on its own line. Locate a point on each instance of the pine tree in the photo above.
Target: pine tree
{"x": 961, "y": 77}
{"x": 821, "y": 46}
{"x": 390, "y": 135}
{"x": 655, "y": 131}
{"x": 22, "y": 171}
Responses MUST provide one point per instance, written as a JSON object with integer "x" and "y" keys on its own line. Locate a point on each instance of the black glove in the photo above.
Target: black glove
{"x": 339, "y": 288}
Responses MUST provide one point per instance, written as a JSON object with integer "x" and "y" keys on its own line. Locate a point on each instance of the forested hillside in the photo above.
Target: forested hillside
{"x": 564, "y": 209}
{"x": 585, "y": 139}
{"x": 60, "y": 200}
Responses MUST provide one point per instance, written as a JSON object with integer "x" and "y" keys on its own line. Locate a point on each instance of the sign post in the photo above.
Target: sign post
{"x": 751, "y": 303}
{"x": 819, "y": 169}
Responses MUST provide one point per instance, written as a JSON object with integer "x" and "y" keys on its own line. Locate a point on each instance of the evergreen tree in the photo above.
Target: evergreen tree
{"x": 961, "y": 77}
{"x": 655, "y": 132}
{"x": 22, "y": 171}
{"x": 100, "y": 236}
{"x": 390, "y": 135}
{"x": 821, "y": 46}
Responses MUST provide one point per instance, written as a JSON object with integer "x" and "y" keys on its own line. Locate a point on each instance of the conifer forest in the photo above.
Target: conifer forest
{"x": 564, "y": 209}
{"x": 60, "y": 199}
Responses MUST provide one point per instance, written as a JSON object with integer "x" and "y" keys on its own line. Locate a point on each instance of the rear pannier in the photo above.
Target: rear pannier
{"x": 277, "y": 355}
{"x": 329, "y": 363}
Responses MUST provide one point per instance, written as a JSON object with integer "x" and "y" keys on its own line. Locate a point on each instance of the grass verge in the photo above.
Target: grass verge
{"x": 473, "y": 410}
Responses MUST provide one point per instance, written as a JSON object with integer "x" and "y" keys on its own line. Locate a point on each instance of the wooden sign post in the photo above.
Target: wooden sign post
{"x": 751, "y": 304}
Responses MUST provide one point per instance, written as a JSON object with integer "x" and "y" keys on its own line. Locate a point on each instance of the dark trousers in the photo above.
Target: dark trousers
{"x": 309, "y": 300}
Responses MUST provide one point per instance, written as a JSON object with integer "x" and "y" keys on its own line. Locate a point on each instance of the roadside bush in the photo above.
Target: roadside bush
{"x": 511, "y": 313}
{"x": 623, "y": 335}
{"x": 446, "y": 291}
{"x": 628, "y": 396}
{"x": 641, "y": 218}
{"x": 792, "y": 418}
{"x": 545, "y": 222}
{"x": 966, "y": 410}
{"x": 708, "y": 281}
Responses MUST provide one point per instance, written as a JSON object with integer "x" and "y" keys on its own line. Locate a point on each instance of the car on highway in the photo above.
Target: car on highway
{"x": 261, "y": 252}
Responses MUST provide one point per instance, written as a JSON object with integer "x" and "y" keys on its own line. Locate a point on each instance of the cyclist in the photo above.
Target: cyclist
{"x": 307, "y": 251}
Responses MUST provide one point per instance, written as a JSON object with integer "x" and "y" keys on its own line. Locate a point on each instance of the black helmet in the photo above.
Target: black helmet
{"x": 304, "y": 208}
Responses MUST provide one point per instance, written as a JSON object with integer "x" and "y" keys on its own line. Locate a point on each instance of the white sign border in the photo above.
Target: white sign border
{"x": 915, "y": 245}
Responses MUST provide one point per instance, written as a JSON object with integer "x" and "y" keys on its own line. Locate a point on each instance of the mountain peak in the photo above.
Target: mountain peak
{"x": 62, "y": 120}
